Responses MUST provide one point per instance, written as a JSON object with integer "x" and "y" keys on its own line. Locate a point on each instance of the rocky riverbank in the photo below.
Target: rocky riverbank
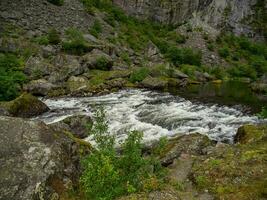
{"x": 42, "y": 162}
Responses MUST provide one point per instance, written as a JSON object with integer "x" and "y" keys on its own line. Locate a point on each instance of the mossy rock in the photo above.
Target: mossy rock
{"x": 25, "y": 106}
{"x": 235, "y": 171}
{"x": 250, "y": 133}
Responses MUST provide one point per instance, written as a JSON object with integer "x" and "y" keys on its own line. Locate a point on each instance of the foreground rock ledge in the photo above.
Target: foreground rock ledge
{"x": 36, "y": 162}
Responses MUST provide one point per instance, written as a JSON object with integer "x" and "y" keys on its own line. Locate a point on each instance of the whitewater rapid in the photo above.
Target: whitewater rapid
{"x": 156, "y": 114}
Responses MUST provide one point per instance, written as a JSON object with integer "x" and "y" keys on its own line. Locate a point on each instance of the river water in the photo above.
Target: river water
{"x": 157, "y": 114}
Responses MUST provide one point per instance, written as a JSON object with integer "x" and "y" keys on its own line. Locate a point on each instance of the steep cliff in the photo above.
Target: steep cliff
{"x": 235, "y": 15}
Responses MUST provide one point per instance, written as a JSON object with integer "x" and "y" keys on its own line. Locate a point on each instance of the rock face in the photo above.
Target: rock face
{"x": 36, "y": 162}
{"x": 218, "y": 14}
{"x": 25, "y": 106}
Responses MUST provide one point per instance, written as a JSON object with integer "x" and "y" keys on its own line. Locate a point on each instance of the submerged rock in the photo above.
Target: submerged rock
{"x": 36, "y": 161}
{"x": 25, "y": 106}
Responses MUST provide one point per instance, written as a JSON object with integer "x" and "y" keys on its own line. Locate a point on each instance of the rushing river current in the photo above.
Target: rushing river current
{"x": 156, "y": 114}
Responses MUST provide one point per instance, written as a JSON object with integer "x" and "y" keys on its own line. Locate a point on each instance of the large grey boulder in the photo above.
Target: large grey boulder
{"x": 37, "y": 67}
{"x": 39, "y": 87}
{"x": 36, "y": 162}
{"x": 97, "y": 60}
{"x": 66, "y": 66}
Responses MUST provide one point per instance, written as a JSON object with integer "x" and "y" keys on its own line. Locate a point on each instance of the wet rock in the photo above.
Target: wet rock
{"x": 79, "y": 125}
{"x": 97, "y": 60}
{"x": 40, "y": 87}
{"x": 154, "y": 83}
{"x": 76, "y": 83}
{"x": 25, "y": 106}
{"x": 193, "y": 144}
{"x": 36, "y": 161}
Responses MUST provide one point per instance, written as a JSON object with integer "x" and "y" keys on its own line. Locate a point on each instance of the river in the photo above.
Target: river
{"x": 160, "y": 114}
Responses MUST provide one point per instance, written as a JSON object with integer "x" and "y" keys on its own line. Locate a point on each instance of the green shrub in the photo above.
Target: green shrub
{"x": 259, "y": 64}
{"x": 189, "y": 70}
{"x": 11, "y": 77}
{"x": 53, "y": 36}
{"x": 224, "y": 52}
{"x": 96, "y": 29}
{"x": 56, "y": 2}
{"x": 139, "y": 75}
{"x": 102, "y": 63}
{"x": 75, "y": 43}
{"x": 263, "y": 113}
{"x": 42, "y": 40}
{"x": 107, "y": 175}
{"x": 211, "y": 46}
{"x": 180, "y": 39}
{"x": 184, "y": 56}
{"x": 243, "y": 70}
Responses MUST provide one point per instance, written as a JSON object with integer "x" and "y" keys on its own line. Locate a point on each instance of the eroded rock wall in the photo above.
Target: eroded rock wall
{"x": 219, "y": 14}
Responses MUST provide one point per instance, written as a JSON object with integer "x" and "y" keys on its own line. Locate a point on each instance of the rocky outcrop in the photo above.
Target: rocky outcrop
{"x": 36, "y": 162}
{"x": 223, "y": 14}
{"x": 25, "y": 106}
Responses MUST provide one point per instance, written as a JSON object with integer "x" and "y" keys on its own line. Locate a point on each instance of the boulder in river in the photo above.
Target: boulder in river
{"x": 36, "y": 162}
{"x": 25, "y": 106}
{"x": 78, "y": 125}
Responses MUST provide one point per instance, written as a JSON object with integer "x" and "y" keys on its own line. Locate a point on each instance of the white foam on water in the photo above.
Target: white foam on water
{"x": 156, "y": 114}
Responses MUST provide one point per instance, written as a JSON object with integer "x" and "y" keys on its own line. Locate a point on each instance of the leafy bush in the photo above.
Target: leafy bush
{"x": 224, "y": 52}
{"x": 243, "y": 70}
{"x": 108, "y": 175}
{"x": 56, "y": 2}
{"x": 102, "y": 63}
{"x": 139, "y": 75}
{"x": 53, "y": 36}
{"x": 96, "y": 29}
{"x": 11, "y": 77}
{"x": 184, "y": 56}
{"x": 263, "y": 113}
{"x": 75, "y": 43}
{"x": 180, "y": 39}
